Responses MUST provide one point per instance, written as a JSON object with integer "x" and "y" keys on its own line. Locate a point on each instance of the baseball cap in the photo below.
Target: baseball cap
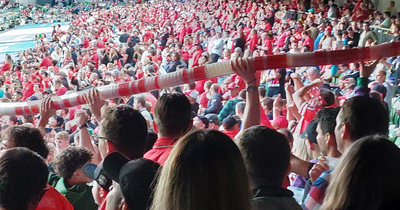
{"x": 135, "y": 178}
{"x": 213, "y": 118}
{"x": 281, "y": 122}
{"x": 97, "y": 174}
{"x": 204, "y": 120}
{"x": 328, "y": 29}
{"x": 311, "y": 132}
{"x": 48, "y": 91}
{"x": 229, "y": 122}
{"x": 380, "y": 89}
{"x": 115, "y": 72}
{"x": 32, "y": 98}
{"x": 232, "y": 86}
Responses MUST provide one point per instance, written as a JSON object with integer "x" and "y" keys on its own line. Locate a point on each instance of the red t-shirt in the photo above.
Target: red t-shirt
{"x": 253, "y": 42}
{"x": 5, "y": 67}
{"x": 308, "y": 41}
{"x": 231, "y": 134}
{"x": 204, "y": 100}
{"x": 28, "y": 90}
{"x": 85, "y": 43}
{"x": 46, "y": 62}
{"x": 161, "y": 150}
{"x": 61, "y": 91}
{"x": 95, "y": 58}
{"x": 53, "y": 200}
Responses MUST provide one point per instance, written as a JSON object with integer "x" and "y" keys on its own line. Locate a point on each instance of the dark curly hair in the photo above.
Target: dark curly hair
{"x": 71, "y": 159}
{"x": 23, "y": 136}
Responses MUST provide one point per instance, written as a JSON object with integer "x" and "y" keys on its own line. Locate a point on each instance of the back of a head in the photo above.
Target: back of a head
{"x": 366, "y": 177}
{"x": 205, "y": 170}
{"x": 126, "y": 129}
{"x": 267, "y": 154}
{"x": 172, "y": 115}
{"x": 23, "y": 136}
{"x": 364, "y": 116}
{"x": 23, "y": 177}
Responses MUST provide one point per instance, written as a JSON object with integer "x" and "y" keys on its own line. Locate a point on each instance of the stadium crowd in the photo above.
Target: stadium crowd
{"x": 232, "y": 142}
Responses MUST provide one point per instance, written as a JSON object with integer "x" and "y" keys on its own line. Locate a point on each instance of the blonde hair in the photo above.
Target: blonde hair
{"x": 10, "y": 61}
{"x": 62, "y": 135}
{"x": 300, "y": 148}
{"x": 205, "y": 170}
{"x": 366, "y": 177}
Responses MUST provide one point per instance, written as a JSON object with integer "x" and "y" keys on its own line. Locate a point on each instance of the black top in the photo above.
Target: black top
{"x": 74, "y": 57}
{"x": 164, "y": 39}
{"x": 130, "y": 51}
{"x": 240, "y": 42}
{"x": 355, "y": 39}
{"x": 124, "y": 38}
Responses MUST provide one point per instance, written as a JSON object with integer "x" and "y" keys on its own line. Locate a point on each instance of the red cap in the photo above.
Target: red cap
{"x": 232, "y": 86}
{"x": 328, "y": 29}
{"x": 281, "y": 122}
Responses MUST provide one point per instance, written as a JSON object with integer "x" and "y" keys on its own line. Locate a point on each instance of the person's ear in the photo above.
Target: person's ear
{"x": 111, "y": 147}
{"x": 330, "y": 140}
{"x": 76, "y": 174}
{"x": 345, "y": 133}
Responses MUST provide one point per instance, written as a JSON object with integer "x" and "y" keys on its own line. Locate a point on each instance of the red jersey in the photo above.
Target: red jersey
{"x": 308, "y": 41}
{"x": 161, "y": 150}
{"x": 53, "y": 200}
{"x": 231, "y": 134}
{"x": 61, "y": 91}
{"x": 307, "y": 113}
{"x": 46, "y": 62}
{"x": 28, "y": 90}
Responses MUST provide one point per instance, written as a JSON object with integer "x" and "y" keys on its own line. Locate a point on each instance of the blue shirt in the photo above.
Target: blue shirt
{"x": 317, "y": 40}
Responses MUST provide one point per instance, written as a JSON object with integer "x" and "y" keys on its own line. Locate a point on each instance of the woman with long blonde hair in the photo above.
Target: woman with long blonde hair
{"x": 205, "y": 170}
{"x": 367, "y": 177}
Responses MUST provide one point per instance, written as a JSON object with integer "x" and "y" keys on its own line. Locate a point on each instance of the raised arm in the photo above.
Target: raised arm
{"x": 245, "y": 70}
{"x": 299, "y": 95}
{"x": 95, "y": 103}
{"x": 292, "y": 111}
{"x": 46, "y": 111}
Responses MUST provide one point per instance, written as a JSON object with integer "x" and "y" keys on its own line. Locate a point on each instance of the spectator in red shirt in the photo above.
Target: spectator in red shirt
{"x": 28, "y": 85}
{"x": 172, "y": 115}
{"x": 85, "y": 42}
{"x": 267, "y": 43}
{"x": 94, "y": 57}
{"x": 307, "y": 40}
{"x": 231, "y": 127}
{"x": 253, "y": 40}
{"x": 61, "y": 90}
{"x": 46, "y": 62}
